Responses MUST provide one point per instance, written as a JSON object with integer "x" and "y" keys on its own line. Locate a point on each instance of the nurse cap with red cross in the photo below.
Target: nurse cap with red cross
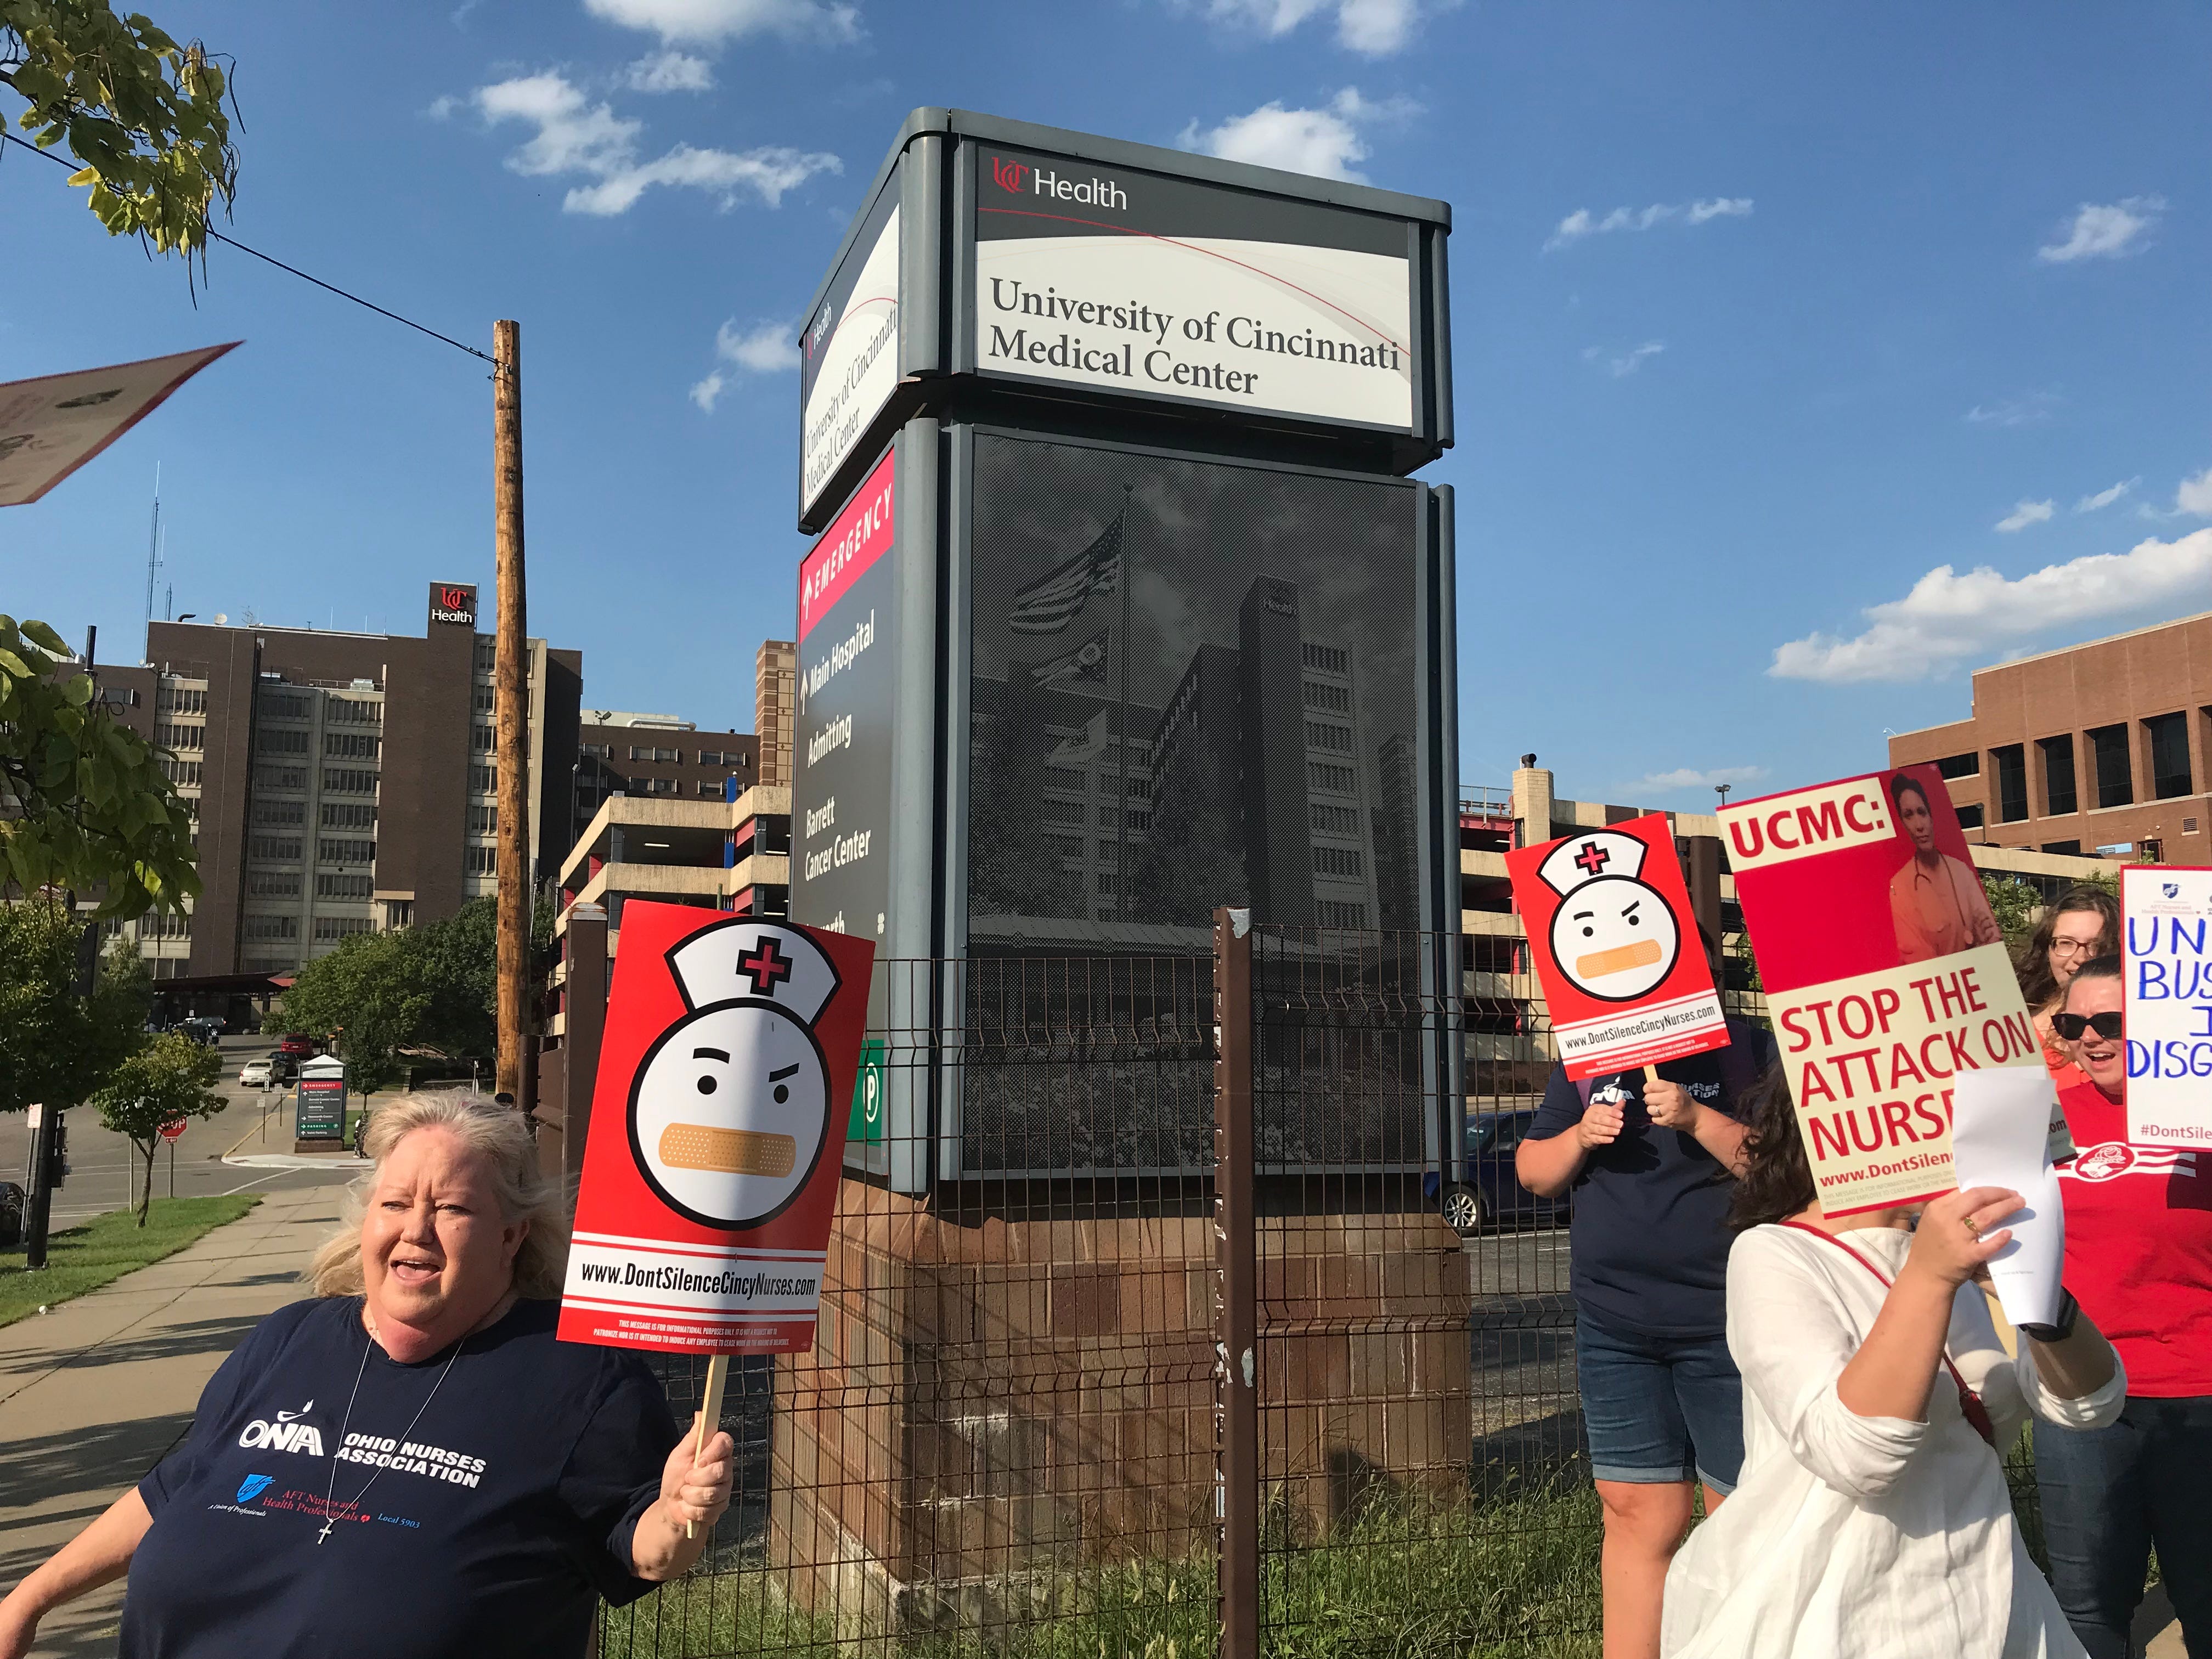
{"x": 1586, "y": 857}
{"x": 747, "y": 961}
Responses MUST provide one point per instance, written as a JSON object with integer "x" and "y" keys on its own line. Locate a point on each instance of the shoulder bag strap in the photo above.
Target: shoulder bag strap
{"x": 1970, "y": 1403}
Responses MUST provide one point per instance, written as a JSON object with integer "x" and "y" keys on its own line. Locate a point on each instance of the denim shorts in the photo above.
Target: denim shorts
{"x": 1660, "y": 1408}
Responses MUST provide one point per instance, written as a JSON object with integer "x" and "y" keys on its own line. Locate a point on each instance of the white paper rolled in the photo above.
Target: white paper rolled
{"x": 2000, "y": 1130}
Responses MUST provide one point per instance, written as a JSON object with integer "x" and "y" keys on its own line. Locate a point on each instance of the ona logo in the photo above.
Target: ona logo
{"x": 254, "y": 1486}
{"x": 1009, "y": 175}
{"x": 283, "y": 1435}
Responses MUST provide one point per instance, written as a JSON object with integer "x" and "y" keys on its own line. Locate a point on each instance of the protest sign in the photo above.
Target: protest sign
{"x": 1615, "y": 947}
{"x": 711, "y": 1171}
{"x": 1885, "y": 973}
{"x": 2165, "y": 982}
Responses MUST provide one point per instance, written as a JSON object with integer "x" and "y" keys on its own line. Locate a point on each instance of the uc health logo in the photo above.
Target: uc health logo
{"x": 1009, "y": 175}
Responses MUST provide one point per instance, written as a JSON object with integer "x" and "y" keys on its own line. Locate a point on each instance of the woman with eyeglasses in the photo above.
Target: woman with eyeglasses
{"x": 2139, "y": 1257}
{"x": 2084, "y": 923}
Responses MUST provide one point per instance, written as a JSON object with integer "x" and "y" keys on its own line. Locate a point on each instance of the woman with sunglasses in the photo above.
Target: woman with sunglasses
{"x": 2139, "y": 1257}
{"x": 2084, "y": 923}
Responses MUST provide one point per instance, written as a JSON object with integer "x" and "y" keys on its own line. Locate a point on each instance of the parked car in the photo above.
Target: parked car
{"x": 298, "y": 1044}
{"x": 202, "y": 1028}
{"x": 256, "y": 1074}
{"x": 1487, "y": 1193}
{"x": 282, "y": 1068}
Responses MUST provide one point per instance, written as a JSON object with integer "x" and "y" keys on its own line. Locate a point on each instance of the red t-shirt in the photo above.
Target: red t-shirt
{"x": 2139, "y": 1246}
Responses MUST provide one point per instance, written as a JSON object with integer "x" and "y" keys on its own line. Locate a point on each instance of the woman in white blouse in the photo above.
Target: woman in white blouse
{"x": 1872, "y": 1517}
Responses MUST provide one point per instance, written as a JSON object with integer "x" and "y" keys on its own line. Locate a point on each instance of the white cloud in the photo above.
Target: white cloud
{"x": 2025, "y": 514}
{"x": 1582, "y": 223}
{"x": 576, "y": 136}
{"x": 1325, "y": 143}
{"x": 1948, "y": 618}
{"x": 712, "y": 22}
{"x": 1684, "y": 777}
{"x": 766, "y": 348}
{"x": 2195, "y": 495}
{"x": 2111, "y": 231}
{"x": 707, "y": 391}
{"x": 2029, "y": 409}
{"x": 1374, "y": 28}
{"x": 2104, "y": 498}
{"x": 671, "y": 71}
{"x": 1628, "y": 363}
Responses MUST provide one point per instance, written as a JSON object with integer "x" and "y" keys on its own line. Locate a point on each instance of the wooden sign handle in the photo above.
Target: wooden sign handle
{"x": 710, "y": 1411}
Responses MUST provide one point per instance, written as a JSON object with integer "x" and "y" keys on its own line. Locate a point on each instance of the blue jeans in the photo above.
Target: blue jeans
{"x": 2108, "y": 1495}
{"x": 1660, "y": 1408}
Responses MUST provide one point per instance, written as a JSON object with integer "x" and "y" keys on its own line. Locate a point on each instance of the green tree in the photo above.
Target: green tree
{"x": 83, "y": 801}
{"x": 170, "y": 1079}
{"x": 368, "y": 999}
{"x": 57, "y": 1047}
{"x": 141, "y": 114}
{"x": 2016, "y": 905}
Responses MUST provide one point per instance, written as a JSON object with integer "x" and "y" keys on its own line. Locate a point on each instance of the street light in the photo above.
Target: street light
{"x": 1722, "y": 790}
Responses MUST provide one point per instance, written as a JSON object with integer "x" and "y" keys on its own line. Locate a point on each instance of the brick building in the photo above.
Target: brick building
{"x": 621, "y": 753}
{"x": 341, "y": 783}
{"x": 2102, "y": 746}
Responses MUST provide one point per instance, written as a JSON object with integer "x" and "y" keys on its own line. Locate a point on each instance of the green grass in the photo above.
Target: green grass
{"x": 85, "y": 1257}
{"x": 1409, "y": 1577}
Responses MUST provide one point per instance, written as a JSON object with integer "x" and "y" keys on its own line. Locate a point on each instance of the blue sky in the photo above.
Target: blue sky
{"x": 1763, "y": 317}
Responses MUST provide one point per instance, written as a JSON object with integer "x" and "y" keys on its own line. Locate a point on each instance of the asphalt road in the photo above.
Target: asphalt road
{"x": 105, "y": 1173}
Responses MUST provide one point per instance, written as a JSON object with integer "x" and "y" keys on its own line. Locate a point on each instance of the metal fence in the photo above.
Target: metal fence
{"x": 1183, "y": 1360}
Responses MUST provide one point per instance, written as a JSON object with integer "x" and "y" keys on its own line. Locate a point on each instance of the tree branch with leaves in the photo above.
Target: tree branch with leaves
{"x": 171, "y": 1080}
{"x": 142, "y": 114}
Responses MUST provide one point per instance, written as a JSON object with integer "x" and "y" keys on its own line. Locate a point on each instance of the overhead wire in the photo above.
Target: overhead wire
{"x": 331, "y": 288}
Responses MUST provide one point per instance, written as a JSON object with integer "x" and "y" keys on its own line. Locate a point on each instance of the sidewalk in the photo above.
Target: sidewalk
{"x": 93, "y": 1394}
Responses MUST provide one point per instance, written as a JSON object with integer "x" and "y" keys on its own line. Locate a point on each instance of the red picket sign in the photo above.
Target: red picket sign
{"x": 710, "y": 1174}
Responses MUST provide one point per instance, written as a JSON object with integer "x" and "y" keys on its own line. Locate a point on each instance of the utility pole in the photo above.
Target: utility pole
{"x": 508, "y": 709}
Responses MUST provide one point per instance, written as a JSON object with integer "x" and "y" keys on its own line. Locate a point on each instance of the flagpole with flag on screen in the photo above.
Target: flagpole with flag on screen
{"x": 1055, "y": 600}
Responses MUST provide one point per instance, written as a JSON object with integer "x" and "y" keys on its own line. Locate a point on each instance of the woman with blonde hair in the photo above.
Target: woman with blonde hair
{"x": 408, "y": 1464}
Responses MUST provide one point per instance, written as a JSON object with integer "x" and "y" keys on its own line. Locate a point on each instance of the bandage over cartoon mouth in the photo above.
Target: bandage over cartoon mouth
{"x": 1621, "y": 959}
{"x": 729, "y": 1152}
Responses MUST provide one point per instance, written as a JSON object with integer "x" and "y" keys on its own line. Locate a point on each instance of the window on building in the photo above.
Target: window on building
{"x": 1063, "y": 777}
{"x": 2011, "y": 762}
{"x": 335, "y": 927}
{"x": 1322, "y": 734}
{"x": 481, "y": 738}
{"x": 484, "y": 779}
{"x": 1331, "y": 779}
{"x": 661, "y": 785}
{"x": 482, "y": 703}
{"x": 279, "y": 814}
{"x": 1326, "y": 657}
{"x": 281, "y": 743}
{"x": 1065, "y": 811}
{"x": 639, "y": 753}
{"x": 1104, "y": 883}
{"x": 350, "y": 745}
{"x": 1067, "y": 847}
{"x": 1139, "y": 823}
{"x": 1332, "y": 699}
{"x": 2072, "y": 848}
{"x": 1342, "y": 862}
{"x": 282, "y": 850}
{"x": 277, "y": 705}
{"x": 2116, "y": 779}
{"x": 345, "y": 815}
{"x": 180, "y": 771}
{"x": 179, "y": 735}
{"x": 2058, "y": 790}
{"x": 1970, "y": 815}
{"x": 1960, "y": 765}
{"x": 181, "y": 700}
{"x": 272, "y": 928}
{"x": 161, "y": 924}
{"x": 1333, "y": 820}
{"x": 353, "y": 711}
{"x": 483, "y": 820}
{"x": 483, "y": 860}
{"x": 273, "y": 883}
{"x": 330, "y": 851}
{"x": 2169, "y": 755}
{"x": 343, "y": 886}
{"x": 348, "y": 780}
{"x": 1336, "y": 912}
{"x": 280, "y": 777}
{"x": 709, "y": 791}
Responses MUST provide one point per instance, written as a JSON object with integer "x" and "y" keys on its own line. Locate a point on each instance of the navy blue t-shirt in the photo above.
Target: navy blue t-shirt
{"x": 1650, "y": 1241}
{"x": 488, "y": 1529}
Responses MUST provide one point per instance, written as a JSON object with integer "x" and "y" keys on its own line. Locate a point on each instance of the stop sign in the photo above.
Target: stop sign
{"x": 170, "y": 1131}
